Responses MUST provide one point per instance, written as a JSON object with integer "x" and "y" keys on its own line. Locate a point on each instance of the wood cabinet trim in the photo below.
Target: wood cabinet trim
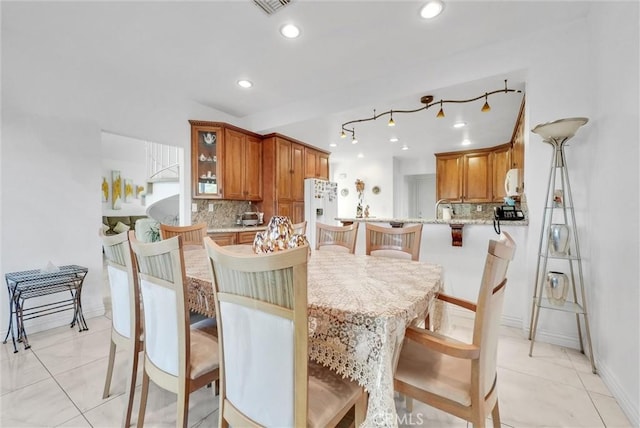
{"x": 224, "y": 125}
{"x": 293, "y": 140}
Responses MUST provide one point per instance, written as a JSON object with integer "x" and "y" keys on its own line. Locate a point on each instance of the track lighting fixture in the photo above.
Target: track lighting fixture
{"x": 427, "y": 100}
{"x": 441, "y": 112}
{"x": 391, "y": 122}
{"x": 486, "y": 107}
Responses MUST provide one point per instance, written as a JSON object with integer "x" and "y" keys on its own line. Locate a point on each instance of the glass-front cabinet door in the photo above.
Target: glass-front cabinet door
{"x": 206, "y": 145}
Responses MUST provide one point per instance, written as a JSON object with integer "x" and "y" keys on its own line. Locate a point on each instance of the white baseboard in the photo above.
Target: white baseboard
{"x": 628, "y": 406}
{"x": 515, "y": 322}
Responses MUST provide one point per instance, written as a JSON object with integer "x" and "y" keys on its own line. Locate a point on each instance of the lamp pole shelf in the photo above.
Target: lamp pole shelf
{"x": 559, "y": 248}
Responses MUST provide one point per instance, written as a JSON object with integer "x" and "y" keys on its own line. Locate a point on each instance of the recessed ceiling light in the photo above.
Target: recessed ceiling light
{"x": 460, "y": 124}
{"x": 393, "y": 139}
{"x": 466, "y": 142}
{"x": 405, "y": 147}
{"x": 332, "y": 144}
{"x": 360, "y": 155}
{"x": 290, "y": 31}
{"x": 245, "y": 83}
{"x": 431, "y": 9}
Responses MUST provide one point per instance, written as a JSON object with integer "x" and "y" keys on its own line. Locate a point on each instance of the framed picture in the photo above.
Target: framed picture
{"x": 116, "y": 190}
{"x": 128, "y": 190}
{"x": 105, "y": 190}
{"x": 139, "y": 191}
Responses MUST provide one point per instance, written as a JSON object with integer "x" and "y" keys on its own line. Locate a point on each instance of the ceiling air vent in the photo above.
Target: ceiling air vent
{"x": 271, "y": 6}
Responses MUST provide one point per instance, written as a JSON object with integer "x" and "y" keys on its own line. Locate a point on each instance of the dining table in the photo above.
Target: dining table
{"x": 359, "y": 308}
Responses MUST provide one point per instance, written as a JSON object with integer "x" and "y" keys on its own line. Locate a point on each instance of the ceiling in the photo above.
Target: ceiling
{"x": 352, "y": 57}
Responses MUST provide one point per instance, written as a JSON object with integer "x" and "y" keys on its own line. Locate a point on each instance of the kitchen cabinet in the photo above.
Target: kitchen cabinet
{"x": 234, "y": 238}
{"x": 517, "y": 153}
{"x": 206, "y": 162}
{"x": 246, "y": 237}
{"x": 449, "y": 176}
{"x": 473, "y": 176}
{"x": 224, "y": 238}
{"x": 242, "y": 166}
{"x": 477, "y": 177}
{"x": 316, "y": 164}
{"x": 226, "y": 162}
{"x": 501, "y": 163}
{"x": 285, "y": 164}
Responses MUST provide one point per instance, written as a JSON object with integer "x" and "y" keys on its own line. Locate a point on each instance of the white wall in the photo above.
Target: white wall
{"x": 129, "y": 156}
{"x": 51, "y": 209}
{"x": 613, "y": 180}
{"x": 374, "y": 171}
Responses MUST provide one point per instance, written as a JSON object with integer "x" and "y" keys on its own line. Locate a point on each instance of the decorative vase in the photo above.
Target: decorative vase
{"x": 558, "y": 239}
{"x": 557, "y": 287}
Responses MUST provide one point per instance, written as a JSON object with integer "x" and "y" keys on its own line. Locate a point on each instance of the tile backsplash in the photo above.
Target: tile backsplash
{"x": 224, "y": 212}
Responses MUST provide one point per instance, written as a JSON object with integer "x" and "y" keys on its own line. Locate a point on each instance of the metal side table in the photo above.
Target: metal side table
{"x": 28, "y": 284}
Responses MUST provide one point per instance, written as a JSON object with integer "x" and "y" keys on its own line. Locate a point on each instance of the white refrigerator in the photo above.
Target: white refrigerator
{"x": 320, "y": 205}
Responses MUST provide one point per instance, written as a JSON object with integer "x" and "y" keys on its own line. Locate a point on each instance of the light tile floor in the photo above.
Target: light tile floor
{"x": 59, "y": 381}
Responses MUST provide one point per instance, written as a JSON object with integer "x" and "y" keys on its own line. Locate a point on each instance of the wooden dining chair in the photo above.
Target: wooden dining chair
{"x": 191, "y": 235}
{"x": 398, "y": 242}
{"x": 456, "y": 377}
{"x": 336, "y": 238}
{"x": 266, "y": 376}
{"x": 177, "y": 358}
{"x": 126, "y": 330}
{"x": 300, "y": 228}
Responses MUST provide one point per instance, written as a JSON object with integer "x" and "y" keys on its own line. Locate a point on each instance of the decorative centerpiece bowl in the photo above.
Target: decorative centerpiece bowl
{"x": 278, "y": 236}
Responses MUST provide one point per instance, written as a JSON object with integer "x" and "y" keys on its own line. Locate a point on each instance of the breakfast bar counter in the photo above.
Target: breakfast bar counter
{"x": 417, "y": 220}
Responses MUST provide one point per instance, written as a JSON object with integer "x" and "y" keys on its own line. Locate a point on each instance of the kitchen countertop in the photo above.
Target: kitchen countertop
{"x": 454, "y": 220}
{"x": 234, "y": 228}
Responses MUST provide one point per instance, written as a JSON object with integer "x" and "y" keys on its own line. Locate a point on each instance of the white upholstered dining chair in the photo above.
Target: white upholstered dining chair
{"x": 456, "y": 377}
{"x": 336, "y": 238}
{"x": 126, "y": 330}
{"x": 266, "y": 378}
{"x": 177, "y": 358}
{"x": 399, "y": 242}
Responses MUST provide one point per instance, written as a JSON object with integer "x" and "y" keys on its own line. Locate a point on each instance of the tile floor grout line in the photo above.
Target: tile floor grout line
{"x": 63, "y": 391}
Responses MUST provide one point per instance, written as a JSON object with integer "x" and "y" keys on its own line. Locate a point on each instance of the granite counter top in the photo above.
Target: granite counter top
{"x": 454, "y": 220}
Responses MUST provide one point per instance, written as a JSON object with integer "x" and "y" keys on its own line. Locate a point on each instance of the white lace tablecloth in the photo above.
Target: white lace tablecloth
{"x": 359, "y": 308}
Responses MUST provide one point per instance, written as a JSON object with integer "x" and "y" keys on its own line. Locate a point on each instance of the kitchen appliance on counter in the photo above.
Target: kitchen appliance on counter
{"x": 250, "y": 218}
{"x": 320, "y": 205}
{"x": 511, "y": 182}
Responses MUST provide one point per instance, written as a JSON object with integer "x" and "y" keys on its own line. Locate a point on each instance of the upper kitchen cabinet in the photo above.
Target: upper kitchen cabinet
{"x": 316, "y": 164}
{"x": 474, "y": 176}
{"x": 285, "y": 164}
{"x": 206, "y": 160}
{"x": 517, "y": 155}
{"x": 501, "y": 163}
{"x": 226, "y": 162}
{"x": 477, "y": 177}
{"x": 242, "y": 165}
{"x": 449, "y": 176}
